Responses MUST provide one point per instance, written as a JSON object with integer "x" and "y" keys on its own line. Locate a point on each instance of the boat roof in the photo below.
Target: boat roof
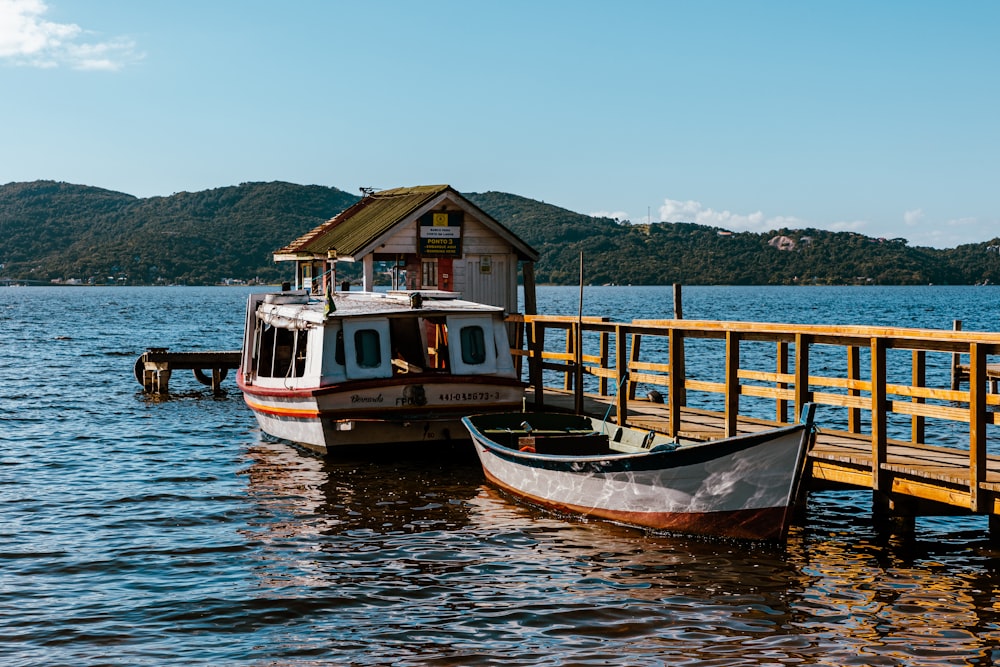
{"x": 301, "y": 306}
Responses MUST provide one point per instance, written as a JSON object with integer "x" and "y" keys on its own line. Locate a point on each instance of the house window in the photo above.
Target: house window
{"x": 367, "y": 348}
{"x": 428, "y": 273}
{"x": 473, "y": 345}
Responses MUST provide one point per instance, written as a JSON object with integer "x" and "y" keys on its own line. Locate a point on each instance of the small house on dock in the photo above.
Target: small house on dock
{"x": 432, "y": 238}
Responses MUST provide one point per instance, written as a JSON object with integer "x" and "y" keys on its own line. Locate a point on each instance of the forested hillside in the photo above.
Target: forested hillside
{"x": 679, "y": 252}
{"x": 59, "y": 231}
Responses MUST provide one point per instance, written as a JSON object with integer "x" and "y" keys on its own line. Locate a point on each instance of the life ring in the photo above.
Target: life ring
{"x": 200, "y": 375}
{"x": 527, "y": 448}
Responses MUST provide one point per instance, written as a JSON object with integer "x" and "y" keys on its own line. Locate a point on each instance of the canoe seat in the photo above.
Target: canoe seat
{"x": 566, "y": 444}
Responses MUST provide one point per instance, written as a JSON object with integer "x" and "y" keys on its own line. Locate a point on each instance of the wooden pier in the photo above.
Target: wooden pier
{"x": 890, "y": 420}
{"x": 155, "y": 366}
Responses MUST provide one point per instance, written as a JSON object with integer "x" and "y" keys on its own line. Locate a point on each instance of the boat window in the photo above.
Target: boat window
{"x": 367, "y": 348}
{"x": 301, "y": 344}
{"x": 338, "y": 354}
{"x": 275, "y": 350}
{"x": 473, "y": 345}
{"x": 474, "y": 349}
{"x": 409, "y": 347}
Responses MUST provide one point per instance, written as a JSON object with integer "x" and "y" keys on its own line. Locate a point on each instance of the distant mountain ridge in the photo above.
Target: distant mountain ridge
{"x": 60, "y": 231}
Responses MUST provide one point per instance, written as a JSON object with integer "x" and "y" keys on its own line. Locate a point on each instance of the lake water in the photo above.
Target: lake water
{"x": 143, "y": 532}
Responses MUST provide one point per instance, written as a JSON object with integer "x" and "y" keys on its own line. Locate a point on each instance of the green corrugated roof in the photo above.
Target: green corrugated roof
{"x": 359, "y": 225}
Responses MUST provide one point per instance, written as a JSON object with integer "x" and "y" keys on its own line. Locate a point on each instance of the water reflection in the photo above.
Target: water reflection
{"x": 419, "y": 563}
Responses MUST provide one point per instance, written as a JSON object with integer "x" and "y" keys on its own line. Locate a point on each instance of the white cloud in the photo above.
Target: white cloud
{"x": 614, "y": 215}
{"x": 674, "y": 210}
{"x": 27, "y": 39}
{"x": 915, "y": 226}
{"x": 848, "y": 226}
{"x": 913, "y": 217}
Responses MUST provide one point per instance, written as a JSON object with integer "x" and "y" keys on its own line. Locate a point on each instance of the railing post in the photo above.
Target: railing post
{"x": 578, "y": 370}
{"x": 956, "y": 360}
{"x": 518, "y": 343}
{"x": 675, "y": 390}
{"x": 732, "y": 397}
{"x": 634, "y": 356}
{"x": 879, "y": 417}
{"x": 977, "y": 423}
{"x": 919, "y": 380}
{"x": 536, "y": 346}
{"x": 781, "y": 405}
{"x": 853, "y": 373}
{"x": 603, "y": 382}
{"x": 802, "y": 393}
{"x": 621, "y": 364}
{"x": 570, "y": 350}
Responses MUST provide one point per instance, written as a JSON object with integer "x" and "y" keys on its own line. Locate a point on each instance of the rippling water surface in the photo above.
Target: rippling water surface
{"x": 143, "y": 532}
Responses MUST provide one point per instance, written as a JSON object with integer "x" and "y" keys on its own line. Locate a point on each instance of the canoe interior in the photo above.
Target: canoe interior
{"x": 565, "y": 434}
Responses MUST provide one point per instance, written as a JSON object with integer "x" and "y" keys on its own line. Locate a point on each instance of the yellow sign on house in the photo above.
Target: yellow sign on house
{"x": 441, "y": 234}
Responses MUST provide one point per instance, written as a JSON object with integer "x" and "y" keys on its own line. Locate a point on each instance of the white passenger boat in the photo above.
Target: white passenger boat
{"x": 367, "y": 368}
{"x": 741, "y": 487}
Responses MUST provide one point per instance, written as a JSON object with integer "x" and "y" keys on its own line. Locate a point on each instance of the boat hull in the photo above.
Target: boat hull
{"x": 740, "y": 487}
{"x": 378, "y": 413}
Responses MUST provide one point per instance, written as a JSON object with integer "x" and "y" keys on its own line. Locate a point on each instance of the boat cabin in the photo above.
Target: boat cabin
{"x": 431, "y": 236}
{"x": 297, "y": 343}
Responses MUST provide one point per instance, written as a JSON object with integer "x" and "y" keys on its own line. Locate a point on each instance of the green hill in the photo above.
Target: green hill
{"x": 59, "y": 231}
{"x": 680, "y": 252}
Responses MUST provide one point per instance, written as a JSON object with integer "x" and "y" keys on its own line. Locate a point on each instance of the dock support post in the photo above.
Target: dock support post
{"x": 893, "y": 515}
{"x": 156, "y": 380}
{"x": 994, "y": 529}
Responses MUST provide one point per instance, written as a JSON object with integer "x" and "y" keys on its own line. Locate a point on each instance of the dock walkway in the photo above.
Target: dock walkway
{"x": 154, "y": 367}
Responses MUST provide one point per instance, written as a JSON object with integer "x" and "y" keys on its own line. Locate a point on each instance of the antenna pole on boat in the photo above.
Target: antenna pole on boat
{"x": 578, "y": 346}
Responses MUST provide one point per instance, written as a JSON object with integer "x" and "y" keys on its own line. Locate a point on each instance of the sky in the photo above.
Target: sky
{"x": 881, "y": 118}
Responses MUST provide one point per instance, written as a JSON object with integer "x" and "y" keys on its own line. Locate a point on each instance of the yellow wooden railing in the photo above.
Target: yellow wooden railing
{"x": 615, "y": 353}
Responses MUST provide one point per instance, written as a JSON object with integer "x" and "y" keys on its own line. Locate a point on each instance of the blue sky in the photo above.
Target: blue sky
{"x": 875, "y": 117}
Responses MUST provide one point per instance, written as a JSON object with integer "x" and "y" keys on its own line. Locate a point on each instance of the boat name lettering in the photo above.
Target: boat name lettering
{"x": 358, "y": 398}
{"x": 470, "y": 396}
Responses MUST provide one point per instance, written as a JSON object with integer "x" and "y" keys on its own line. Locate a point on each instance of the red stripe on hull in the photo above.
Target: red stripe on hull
{"x": 395, "y": 381}
{"x": 766, "y": 524}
